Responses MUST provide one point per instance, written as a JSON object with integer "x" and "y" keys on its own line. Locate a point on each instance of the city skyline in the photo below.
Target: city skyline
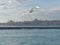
{"x": 18, "y": 10}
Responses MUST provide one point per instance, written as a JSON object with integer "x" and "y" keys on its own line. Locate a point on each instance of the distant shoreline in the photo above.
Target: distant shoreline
{"x": 35, "y": 22}
{"x": 29, "y": 27}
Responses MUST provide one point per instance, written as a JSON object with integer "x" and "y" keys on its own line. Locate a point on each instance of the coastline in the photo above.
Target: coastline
{"x": 29, "y": 27}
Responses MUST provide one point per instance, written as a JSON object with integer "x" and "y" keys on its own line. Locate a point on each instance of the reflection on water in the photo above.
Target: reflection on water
{"x": 30, "y": 37}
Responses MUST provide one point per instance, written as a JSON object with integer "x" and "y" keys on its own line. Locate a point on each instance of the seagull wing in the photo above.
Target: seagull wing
{"x": 31, "y": 11}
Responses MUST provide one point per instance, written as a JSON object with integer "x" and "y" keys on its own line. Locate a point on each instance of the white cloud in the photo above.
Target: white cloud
{"x": 53, "y": 10}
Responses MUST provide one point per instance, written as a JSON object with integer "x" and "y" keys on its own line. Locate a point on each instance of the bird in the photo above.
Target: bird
{"x": 32, "y": 10}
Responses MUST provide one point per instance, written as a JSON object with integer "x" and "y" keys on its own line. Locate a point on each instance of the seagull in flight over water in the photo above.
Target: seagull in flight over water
{"x": 32, "y": 10}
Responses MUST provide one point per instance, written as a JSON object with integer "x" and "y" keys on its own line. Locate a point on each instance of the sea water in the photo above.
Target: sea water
{"x": 30, "y": 37}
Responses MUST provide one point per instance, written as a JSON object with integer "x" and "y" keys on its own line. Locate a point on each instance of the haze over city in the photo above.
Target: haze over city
{"x": 25, "y": 10}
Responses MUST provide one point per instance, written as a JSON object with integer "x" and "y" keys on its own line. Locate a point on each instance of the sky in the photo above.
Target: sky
{"x": 18, "y": 10}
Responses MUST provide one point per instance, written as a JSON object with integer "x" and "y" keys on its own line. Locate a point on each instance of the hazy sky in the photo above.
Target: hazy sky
{"x": 18, "y": 10}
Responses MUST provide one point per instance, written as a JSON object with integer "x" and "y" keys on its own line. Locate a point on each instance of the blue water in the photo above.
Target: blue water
{"x": 30, "y": 37}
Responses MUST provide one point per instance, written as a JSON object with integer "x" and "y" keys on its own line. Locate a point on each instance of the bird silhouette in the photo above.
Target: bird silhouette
{"x": 32, "y": 10}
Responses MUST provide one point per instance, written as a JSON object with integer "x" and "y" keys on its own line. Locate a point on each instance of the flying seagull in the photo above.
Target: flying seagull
{"x": 32, "y": 10}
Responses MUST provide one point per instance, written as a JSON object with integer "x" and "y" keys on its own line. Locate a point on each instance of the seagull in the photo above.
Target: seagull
{"x": 32, "y": 10}
{"x": 37, "y": 7}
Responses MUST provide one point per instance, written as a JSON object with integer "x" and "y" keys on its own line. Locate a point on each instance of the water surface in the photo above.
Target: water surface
{"x": 30, "y": 37}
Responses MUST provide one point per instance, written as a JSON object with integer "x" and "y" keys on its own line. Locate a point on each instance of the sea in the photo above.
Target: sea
{"x": 29, "y": 36}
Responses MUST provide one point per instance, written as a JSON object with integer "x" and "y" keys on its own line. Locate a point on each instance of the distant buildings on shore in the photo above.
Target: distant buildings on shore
{"x": 35, "y": 22}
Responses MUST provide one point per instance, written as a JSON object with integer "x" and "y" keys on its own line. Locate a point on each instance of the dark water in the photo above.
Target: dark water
{"x": 30, "y": 37}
